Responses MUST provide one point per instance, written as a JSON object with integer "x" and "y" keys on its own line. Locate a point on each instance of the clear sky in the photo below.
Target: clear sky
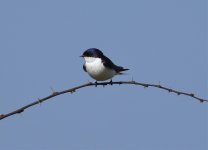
{"x": 160, "y": 41}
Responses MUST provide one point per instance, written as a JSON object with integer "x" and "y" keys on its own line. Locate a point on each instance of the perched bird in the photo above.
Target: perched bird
{"x": 98, "y": 66}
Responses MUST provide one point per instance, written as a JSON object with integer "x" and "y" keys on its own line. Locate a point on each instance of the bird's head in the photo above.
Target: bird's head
{"x": 92, "y": 52}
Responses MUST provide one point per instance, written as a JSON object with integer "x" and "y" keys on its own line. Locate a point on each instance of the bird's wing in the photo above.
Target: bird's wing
{"x": 108, "y": 63}
{"x": 84, "y": 68}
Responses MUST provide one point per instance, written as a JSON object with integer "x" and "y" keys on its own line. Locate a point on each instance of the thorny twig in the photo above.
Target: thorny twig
{"x": 72, "y": 90}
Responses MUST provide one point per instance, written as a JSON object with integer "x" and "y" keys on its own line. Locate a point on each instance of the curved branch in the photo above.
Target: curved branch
{"x": 71, "y": 90}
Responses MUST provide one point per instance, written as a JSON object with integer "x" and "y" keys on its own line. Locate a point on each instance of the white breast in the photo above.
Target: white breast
{"x": 97, "y": 70}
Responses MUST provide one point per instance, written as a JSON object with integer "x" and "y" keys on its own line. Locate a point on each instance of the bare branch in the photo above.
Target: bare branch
{"x": 72, "y": 90}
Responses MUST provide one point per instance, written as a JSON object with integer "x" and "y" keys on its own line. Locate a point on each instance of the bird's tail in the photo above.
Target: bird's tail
{"x": 124, "y": 69}
{"x": 121, "y": 69}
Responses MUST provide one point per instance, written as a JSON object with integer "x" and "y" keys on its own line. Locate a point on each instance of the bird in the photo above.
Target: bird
{"x": 99, "y": 66}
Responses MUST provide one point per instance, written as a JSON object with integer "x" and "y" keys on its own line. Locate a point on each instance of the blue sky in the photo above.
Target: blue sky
{"x": 160, "y": 41}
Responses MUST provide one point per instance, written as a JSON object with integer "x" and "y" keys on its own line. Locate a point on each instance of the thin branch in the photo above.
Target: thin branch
{"x": 72, "y": 90}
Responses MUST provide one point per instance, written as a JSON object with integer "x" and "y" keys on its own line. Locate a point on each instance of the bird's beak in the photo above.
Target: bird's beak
{"x": 81, "y": 56}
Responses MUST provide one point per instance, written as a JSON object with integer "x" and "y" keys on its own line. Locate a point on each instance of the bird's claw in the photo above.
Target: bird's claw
{"x": 111, "y": 82}
{"x": 96, "y": 83}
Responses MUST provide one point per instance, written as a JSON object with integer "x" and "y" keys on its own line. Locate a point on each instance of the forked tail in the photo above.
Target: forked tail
{"x": 120, "y": 69}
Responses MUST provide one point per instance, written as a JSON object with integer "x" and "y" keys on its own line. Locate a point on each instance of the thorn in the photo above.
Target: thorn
{"x": 192, "y": 95}
{"x": 133, "y": 82}
{"x": 20, "y": 111}
{"x": 132, "y": 78}
{"x": 145, "y": 86}
{"x": 39, "y": 101}
{"x": 73, "y": 91}
{"x": 53, "y": 91}
{"x": 170, "y": 90}
{"x": 201, "y": 101}
{"x": 160, "y": 86}
{"x": 89, "y": 82}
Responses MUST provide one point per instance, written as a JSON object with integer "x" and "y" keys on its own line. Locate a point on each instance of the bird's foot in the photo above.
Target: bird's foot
{"x": 111, "y": 82}
{"x": 96, "y": 83}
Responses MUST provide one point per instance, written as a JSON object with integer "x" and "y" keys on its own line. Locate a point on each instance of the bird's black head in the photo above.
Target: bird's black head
{"x": 92, "y": 52}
